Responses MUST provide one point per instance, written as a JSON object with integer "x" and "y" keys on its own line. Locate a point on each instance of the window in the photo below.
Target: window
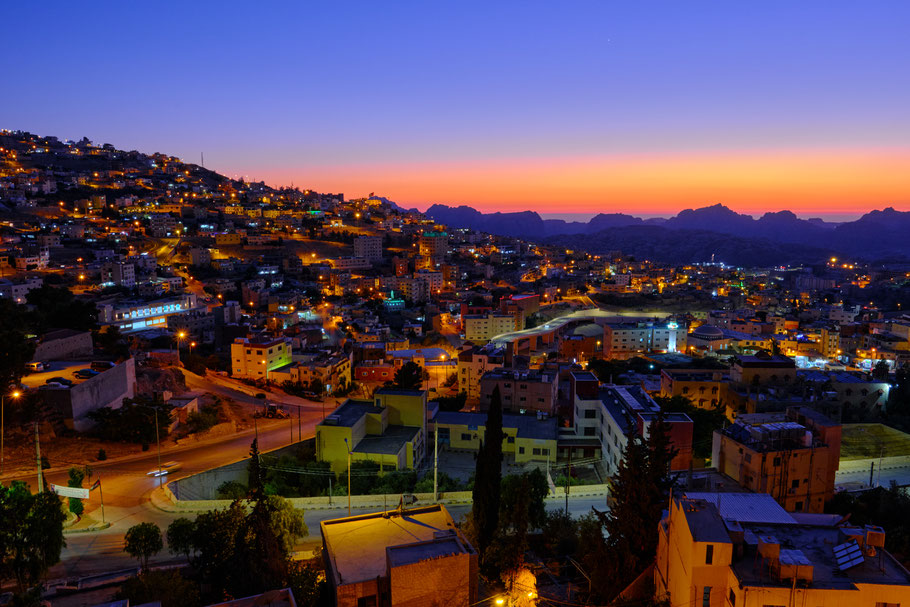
{"x": 510, "y": 439}
{"x": 535, "y": 451}
{"x": 748, "y": 457}
{"x": 367, "y": 601}
{"x": 795, "y": 484}
{"x": 546, "y": 451}
{"x": 798, "y": 506}
{"x": 589, "y": 431}
{"x": 465, "y": 436}
{"x": 709, "y": 554}
{"x": 521, "y": 451}
{"x": 777, "y": 461}
{"x": 705, "y": 597}
{"x": 590, "y": 414}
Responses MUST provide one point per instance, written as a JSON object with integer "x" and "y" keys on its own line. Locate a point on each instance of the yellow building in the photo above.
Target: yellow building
{"x": 743, "y": 550}
{"x": 404, "y": 558}
{"x": 390, "y": 430}
{"x": 480, "y": 328}
{"x": 255, "y": 359}
{"x": 527, "y": 438}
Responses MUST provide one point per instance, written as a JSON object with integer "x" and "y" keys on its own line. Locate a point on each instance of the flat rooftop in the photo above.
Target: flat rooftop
{"x": 389, "y": 442}
{"x": 350, "y": 412}
{"x": 356, "y": 546}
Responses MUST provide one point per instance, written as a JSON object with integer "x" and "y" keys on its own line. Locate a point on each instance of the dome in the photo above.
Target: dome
{"x": 707, "y": 332}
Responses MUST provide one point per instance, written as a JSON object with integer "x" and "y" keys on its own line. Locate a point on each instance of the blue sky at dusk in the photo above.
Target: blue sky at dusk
{"x": 577, "y": 107}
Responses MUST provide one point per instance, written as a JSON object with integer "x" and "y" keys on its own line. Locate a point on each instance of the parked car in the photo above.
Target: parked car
{"x": 85, "y": 373}
{"x": 35, "y": 367}
{"x": 60, "y": 380}
{"x": 102, "y": 365}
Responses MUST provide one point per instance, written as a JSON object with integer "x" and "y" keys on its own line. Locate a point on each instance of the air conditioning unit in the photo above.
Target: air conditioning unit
{"x": 875, "y": 536}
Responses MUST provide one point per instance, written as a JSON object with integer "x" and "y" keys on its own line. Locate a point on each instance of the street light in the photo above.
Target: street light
{"x": 348, "y": 447}
{"x": 181, "y": 335}
{"x": 264, "y": 362}
{"x": 13, "y": 394}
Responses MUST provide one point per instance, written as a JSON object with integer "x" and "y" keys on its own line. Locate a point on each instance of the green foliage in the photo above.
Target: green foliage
{"x": 232, "y": 490}
{"x": 32, "y": 538}
{"x": 58, "y": 308}
{"x": 452, "y": 403}
{"x": 408, "y": 377}
{"x": 76, "y": 476}
{"x": 134, "y": 421}
{"x": 142, "y": 542}
{"x": 487, "y": 478}
{"x": 180, "y": 537}
{"x": 638, "y": 492}
{"x": 167, "y": 586}
{"x": 112, "y": 342}
{"x": 444, "y": 483}
{"x": 202, "y": 420}
{"x": 17, "y": 348}
{"x": 704, "y": 421}
{"x": 884, "y": 507}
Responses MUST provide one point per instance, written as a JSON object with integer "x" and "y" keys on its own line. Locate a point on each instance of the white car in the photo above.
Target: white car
{"x": 166, "y": 468}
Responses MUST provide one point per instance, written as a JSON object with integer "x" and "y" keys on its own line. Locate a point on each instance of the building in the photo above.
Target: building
{"x": 473, "y": 363}
{"x": 389, "y": 430}
{"x": 743, "y": 550}
{"x": 482, "y": 328}
{"x": 609, "y": 414}
{"x": 521, "y": 390}
{"x": 256, "y": 358}
{"x": 628, "y": 339}
{"x": 231, "y": 239}
{"x": 200, "y": 256}
{"x": 405, "y": 558}
{"x": 131, "y": 315}
{"x": 706, "y": 388}
{"x": 792, "y": 456}
{"x": 64, "y": 344}
{"x": 763, "y": 368}
{"x": 527, "y": 438}
{"x": 118, "y": 273}
{"x": 18, "y": 289}
{"x": 369, "y": 248}
{"x": 433, "y": 246}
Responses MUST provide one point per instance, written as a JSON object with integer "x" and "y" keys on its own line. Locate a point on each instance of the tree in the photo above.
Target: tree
{"x": 57, "y": 307}
{"x": 881, "y": 370}
{"x": 76, "y": 476}
{"x": 637, "y": 498}
{"x": 409, "y": 377}
{"x": 167, "y": 586}
{"x": 17, "y": 348}
{"x": 180, "y": 535}
{"x": 488, "y": 477}
{"x": 32, "y": 539}
{"x": 142, "y": 542}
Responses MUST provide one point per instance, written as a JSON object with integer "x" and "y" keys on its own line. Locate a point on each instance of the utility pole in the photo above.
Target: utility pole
{"x": 349, "y": 475}
{"x": 15, "y": 394}
{"x": 435, "y": 463}
{"x": 38, "y": 459}
{"x": 158, "y": 441}
{"x": 568, "y": 477}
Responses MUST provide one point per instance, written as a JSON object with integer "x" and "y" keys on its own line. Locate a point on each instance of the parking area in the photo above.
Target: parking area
{"x": 65, "y": 369}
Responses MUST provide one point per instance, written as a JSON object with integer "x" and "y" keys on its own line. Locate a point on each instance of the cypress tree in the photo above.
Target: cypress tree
{"x": 488, "y": 477}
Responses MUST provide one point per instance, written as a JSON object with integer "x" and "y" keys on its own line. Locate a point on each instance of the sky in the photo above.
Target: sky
{"x": 564, "y": 108}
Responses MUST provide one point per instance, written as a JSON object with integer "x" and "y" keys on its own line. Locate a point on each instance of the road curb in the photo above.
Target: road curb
{"x": 99, "y": 527}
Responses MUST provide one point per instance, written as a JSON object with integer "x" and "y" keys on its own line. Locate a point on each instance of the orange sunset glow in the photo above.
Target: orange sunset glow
{"x": 808, "y": 182}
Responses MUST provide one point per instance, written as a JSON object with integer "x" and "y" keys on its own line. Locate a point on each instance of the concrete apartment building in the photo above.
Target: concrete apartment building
{"x": 433, "y": 246}
{"x": 255, "y": 359}
{"x": 368, "y": 247}
{"x": 763, "y": 368}
{"x": 608, "y": 414}
{"x": 399, "y": 558}
{"x": 626, "y": 340}
{"x": 473, "y": 363}
{"x": 521, "y": 390}
{"x": 743, "y": 550}
{"x": 482, "y": 328}
{"x": 791, "y": 456}
{"x": 706, "y": 388}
